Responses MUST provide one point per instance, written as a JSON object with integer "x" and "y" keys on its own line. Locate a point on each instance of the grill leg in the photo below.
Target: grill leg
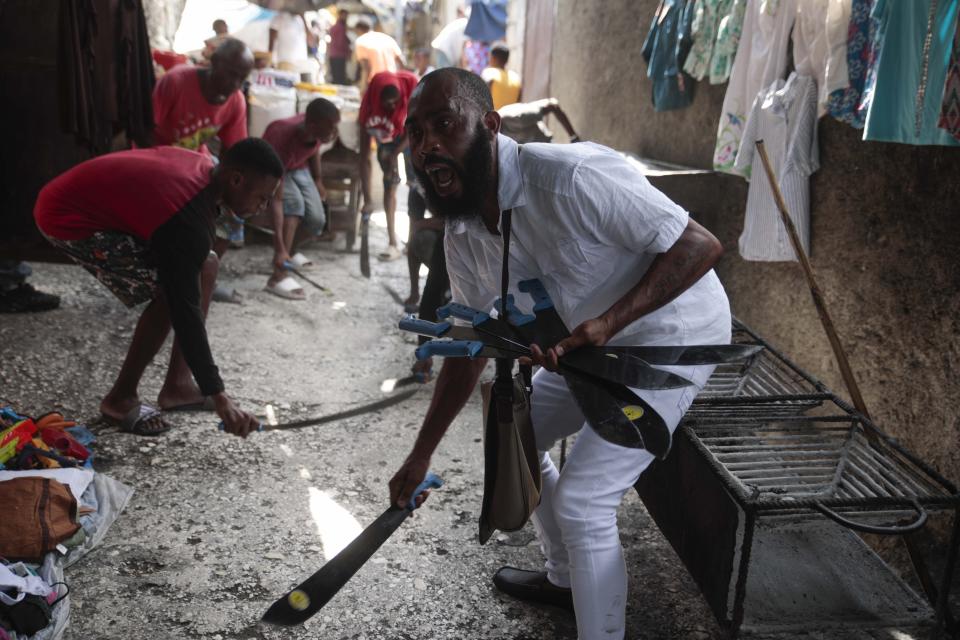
{"x": 944, "y": 617}
{"x": 741, "y": 589}
{"x": 922, "y": 571}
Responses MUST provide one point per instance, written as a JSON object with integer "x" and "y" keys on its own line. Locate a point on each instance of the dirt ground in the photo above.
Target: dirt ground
{"x": 220, "y": 527}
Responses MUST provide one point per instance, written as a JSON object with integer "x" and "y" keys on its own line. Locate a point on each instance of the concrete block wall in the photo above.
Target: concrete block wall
{"x": 886, "y": 225}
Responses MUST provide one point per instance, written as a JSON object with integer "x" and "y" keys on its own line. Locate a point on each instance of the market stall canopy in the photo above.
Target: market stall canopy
{"x": 488, "y": 20}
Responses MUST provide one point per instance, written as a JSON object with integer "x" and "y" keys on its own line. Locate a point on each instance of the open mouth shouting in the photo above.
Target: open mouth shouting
{"x": 443, "y": 177}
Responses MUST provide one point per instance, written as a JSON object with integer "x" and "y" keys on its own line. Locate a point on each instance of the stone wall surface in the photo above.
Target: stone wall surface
{"x": 884, "y": 232}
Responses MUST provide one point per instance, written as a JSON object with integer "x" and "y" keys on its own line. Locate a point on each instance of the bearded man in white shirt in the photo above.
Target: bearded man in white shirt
{"x": 623, "y": 265}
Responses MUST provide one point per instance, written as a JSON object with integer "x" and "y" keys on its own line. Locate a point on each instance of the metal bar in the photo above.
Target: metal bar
{"x": 787, "y": 397}
{"x": 915, "y": 475}
{"x": 780, "y": 355}
{"x": 775, "y": 465}
{"x": 897, "y": 484}
{"x": 779, "y": 484}
{"x": 892, "y": 443}
{"x": 782, "y": 449}
{"x": 788, "y": 452}
{"x": 883, "y": 463}
{"x": 792, "y": 437}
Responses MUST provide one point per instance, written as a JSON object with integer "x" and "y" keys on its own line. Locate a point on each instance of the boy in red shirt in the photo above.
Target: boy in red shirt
{"x": 142, "y": 222}
{"x": 298, "y": 205}
{"x": 382, "y": 113}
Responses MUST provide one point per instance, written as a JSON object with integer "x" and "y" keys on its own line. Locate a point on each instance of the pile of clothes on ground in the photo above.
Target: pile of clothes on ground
{"x": 56, "y": 508}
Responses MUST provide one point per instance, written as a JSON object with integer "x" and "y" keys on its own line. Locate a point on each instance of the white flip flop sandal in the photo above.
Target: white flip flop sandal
{"x": 287, "y": 288}
{"x": 300, "y": 261}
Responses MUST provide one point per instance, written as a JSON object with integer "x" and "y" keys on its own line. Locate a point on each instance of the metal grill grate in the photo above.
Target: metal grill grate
{"x": 766, "y": 384}
{"x": 788, "y": 463}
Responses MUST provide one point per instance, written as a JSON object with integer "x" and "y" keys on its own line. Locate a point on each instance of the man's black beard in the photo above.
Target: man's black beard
{"x": 476, "y": 180}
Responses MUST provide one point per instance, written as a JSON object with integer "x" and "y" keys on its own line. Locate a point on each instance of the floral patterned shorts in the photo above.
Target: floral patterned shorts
{"x": 123, "y": 263}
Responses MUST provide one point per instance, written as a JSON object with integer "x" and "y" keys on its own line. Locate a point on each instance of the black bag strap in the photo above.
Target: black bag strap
{"x": 503, "y": 384}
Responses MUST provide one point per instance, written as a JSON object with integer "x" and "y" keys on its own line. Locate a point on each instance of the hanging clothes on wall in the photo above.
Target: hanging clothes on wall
{"x": 706, "y": 20}
{"x": 76, "y": 53}
{"x": 950, "y": 105}
{"x": 716, "y": 33}
{"x": 728, "y": 39}
{"x": 915, "y": 38}
{"x": 820, "y": 46}
{"x": 135, "y": 77}
{"x": 849, "y": 105}
{"x": 784, "y": 116}
{"x": 665, "y": 50}
{"x": 761, "y": 58}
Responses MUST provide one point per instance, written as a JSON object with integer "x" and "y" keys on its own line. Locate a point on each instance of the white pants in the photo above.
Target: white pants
{"x": 577, "y": 516}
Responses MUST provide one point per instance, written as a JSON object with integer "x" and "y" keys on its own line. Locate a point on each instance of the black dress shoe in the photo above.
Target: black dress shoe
{"x": 532, "y": 586}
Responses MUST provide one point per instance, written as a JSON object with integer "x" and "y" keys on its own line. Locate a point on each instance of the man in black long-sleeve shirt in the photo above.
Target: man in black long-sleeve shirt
{"x": 142, "y": 222}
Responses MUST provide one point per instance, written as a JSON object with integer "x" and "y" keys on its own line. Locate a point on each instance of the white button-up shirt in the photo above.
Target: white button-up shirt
{"x": 587, "y": 224}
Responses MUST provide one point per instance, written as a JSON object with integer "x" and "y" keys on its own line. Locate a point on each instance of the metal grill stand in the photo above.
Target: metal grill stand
{"x": 760, "y": 498}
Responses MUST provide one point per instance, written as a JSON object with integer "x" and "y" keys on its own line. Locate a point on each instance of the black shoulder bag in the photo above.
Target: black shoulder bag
{"x": 511, "y": 481}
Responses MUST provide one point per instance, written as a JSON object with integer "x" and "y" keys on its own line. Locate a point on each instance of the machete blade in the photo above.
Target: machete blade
{"x": 681, "y": 355}
{"x": 348, "y": 413}
{"x": 618, "y": 415}
{"x": 312, "y": 594}
{"x": 623, "y": 369}
{"x": 365, "y": 244}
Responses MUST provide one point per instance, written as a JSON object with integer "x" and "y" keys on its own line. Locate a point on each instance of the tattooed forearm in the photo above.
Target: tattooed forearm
{"x": 669, "y": 275}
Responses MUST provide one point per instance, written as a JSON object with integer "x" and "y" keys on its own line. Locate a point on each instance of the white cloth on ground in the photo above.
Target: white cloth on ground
{"x": 76, "y": 479}
{"x": 785, "y": 118}
{"x": 820, "y": 45}
{"x": 761, "y": 58}
{"x": 33, "y": 585}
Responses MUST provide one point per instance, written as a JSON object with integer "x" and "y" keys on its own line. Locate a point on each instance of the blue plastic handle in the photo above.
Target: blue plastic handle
{"x": 449, "y": 348}
{"x": 221, "y": 426}
{"x": 539, "y": 294}
{"x": 461, "y": 312}
{"x": 431, "y": 481}
{"x": 424, "y": 327}
{"x": 516, "y": 317}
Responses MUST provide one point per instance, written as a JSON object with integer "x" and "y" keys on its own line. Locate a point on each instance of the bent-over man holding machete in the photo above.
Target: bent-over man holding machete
{"x": 142, "y": 222}
{"x": 623, "y": 264}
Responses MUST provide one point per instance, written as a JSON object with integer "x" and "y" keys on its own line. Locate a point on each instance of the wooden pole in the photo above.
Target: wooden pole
{"x": 818, "y": 300}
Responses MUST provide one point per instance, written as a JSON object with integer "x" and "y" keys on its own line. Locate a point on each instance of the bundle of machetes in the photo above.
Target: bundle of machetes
{"x": 599, "y": 378}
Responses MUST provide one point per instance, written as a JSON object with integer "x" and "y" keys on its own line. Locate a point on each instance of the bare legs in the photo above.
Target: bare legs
{"x": 179, "y": 387}
{"x": 390, "y": 208}
{"x": 413, "y": 267}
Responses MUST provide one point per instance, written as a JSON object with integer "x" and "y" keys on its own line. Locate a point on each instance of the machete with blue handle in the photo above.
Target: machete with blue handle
{"x": 622, "y": 369}
{"x": 617, "y": 414}
{"x": 501, "y": 332}
{"x": 312, "y": 594}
